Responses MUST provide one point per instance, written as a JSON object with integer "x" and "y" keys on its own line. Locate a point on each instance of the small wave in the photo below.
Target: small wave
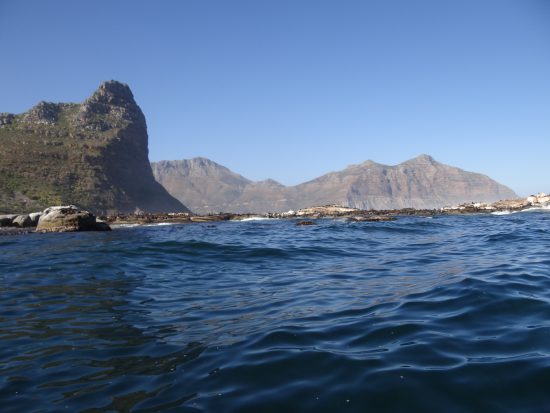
{"x": 417, "y": 314}
{"x": 254, "y": 219}
{"x": 541, "y": 208}
{"x": 532, "y": 209}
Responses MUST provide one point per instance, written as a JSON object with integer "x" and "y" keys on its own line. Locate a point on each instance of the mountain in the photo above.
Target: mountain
{"x": 93, "y": 154}
{"x": 422, "y": 182}
{"x": 201, "y": 180}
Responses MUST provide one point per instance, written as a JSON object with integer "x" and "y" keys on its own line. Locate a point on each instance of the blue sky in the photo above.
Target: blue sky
{"x": 290, "y": 89}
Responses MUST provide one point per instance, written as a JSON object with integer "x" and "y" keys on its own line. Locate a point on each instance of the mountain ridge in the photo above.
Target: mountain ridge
{"x": 420, "y": 182}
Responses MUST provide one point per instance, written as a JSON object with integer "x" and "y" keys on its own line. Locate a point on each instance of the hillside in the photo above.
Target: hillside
{"x": 93, "y": 154}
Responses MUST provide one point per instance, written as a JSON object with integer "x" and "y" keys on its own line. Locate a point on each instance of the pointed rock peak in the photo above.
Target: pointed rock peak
{"x": 425, "y": 157}
{"x": 113, "y": 93}
{"x": 364, "y": 164}
{"x": 422, "y": 159}
{"x": 201, "y": 163}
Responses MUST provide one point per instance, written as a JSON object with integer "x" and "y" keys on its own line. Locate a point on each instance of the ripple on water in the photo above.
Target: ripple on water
{"x": 446, "y": 314}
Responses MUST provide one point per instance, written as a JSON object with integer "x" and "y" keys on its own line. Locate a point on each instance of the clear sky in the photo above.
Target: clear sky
{"x": 291, "y": 89}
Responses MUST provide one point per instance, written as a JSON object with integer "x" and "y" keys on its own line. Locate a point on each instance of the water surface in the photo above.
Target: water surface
{"x": 445, "y": 314}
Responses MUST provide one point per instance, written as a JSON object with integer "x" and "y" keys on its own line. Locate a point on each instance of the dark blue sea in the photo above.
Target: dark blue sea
{"x": 443, "y": 314}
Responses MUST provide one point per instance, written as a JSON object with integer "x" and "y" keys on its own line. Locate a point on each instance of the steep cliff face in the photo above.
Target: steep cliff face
{"x": 421, "y": 182}
{"x": 94, "y": 155}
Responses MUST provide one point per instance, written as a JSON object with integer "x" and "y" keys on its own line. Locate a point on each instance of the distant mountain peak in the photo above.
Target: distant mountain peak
{"x": 199, "y": 161}
{"x": 198, "y": 165}
{"x": 270, "y": 182}
{"x": 422, "y": 159}
{"x": 368, "y": 162}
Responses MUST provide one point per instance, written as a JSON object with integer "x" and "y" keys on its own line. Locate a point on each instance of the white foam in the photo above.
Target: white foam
{"x": 541, "y": 208}
{"x": 254, "y": 219}
{"x": 125, "y": 225}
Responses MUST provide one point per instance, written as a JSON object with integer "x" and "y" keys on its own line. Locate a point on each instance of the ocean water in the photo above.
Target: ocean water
{"x": 445, "y": 314}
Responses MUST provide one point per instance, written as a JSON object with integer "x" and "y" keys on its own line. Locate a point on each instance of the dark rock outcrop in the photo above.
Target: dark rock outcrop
{"x": 421, "y": 183}
{"x": 6, "y": 220}
{"x": 93, "y": 154}
{"x": 304, "y": 223}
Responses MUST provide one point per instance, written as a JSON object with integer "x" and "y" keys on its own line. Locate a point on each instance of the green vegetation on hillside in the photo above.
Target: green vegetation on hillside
{"x": 93, "y": 155}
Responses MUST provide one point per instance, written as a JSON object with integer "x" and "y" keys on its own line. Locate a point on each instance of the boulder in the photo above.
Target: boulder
{"x": 69, "y": 219}
{"x": 22, "y": 221}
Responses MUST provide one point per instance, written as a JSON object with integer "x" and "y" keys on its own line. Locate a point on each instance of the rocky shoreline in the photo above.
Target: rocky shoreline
{"x": 70, "y": 218}
{"x": 337, "y": 211}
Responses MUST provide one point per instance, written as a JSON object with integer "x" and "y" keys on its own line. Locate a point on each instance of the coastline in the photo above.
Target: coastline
{"x": 541, "y": 201}
{"x": 336, "y": 211}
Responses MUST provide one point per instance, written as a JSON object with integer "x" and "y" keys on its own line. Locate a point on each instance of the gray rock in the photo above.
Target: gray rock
{"x": 43, "y": 113}
{"x": 69, "y": 218}
{"x": 22, "y": 221}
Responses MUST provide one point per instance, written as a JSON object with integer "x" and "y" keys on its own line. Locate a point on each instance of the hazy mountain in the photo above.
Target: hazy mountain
{"x": 94, "y": 155}
{"x": 201, "y": 180}
{"x": 422, "y": 182}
